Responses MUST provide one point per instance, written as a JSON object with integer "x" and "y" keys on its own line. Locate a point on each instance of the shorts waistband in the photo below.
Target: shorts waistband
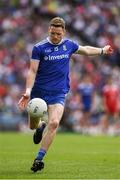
{"x": 49, "y": 92}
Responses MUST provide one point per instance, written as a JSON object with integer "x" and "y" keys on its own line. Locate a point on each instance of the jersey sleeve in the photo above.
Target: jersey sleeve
{"x": 75, "y": 46}
{"x": 36, "y": 53}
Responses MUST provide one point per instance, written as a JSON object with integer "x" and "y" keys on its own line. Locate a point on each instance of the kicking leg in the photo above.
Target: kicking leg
{"x": 35, "y": 123}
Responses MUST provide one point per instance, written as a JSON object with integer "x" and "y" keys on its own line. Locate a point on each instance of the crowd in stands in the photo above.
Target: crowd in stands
{"x": 89, "y": 22}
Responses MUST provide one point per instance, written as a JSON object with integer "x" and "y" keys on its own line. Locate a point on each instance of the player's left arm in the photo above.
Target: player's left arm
{"x": 91, "y": 51}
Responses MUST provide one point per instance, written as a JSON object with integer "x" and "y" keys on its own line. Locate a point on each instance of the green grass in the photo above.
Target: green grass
{"x": 70, "y": 157}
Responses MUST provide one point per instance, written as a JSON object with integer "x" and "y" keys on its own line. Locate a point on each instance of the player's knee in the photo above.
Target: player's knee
{"x": 53, "y": 125}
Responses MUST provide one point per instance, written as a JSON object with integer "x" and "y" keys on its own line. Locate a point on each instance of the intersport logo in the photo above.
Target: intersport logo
{"x": 60, "y": 57}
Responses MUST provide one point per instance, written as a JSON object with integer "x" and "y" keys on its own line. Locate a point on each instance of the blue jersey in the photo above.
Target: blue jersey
{"x": 86, "y": 91}
{"x": 53, "y": 69}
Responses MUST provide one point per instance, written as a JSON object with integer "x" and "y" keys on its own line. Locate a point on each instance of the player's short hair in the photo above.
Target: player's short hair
{"x": 58, "y": 22}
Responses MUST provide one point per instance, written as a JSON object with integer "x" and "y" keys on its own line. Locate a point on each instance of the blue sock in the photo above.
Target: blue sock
{"x": 41, "y": 154}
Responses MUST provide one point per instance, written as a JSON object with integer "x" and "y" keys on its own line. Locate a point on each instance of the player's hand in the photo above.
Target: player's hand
{"x": 23, "y": 101}
{"x": 107, "y": 50}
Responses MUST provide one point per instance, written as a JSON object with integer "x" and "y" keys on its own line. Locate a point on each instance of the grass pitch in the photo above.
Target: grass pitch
{"x": 71, "y": 156}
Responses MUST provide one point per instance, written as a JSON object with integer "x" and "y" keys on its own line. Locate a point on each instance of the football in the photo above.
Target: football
{"x": 37, "y": 107}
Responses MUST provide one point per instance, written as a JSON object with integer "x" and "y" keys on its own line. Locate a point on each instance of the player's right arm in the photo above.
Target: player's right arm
{"x": 29, "y": 84}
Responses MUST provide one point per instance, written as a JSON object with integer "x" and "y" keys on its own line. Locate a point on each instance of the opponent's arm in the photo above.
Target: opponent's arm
{"x": 91, "y": 51}
{"x": 29, "y": 84}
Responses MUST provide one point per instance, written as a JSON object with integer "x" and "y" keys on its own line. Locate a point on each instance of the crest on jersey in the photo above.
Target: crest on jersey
{"x": 64, "y": 48}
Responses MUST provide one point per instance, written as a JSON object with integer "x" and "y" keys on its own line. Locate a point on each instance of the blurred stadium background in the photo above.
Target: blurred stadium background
{"x": 89, "y": 22}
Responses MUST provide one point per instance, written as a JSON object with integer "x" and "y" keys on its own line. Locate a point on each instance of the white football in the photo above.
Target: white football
{"x": 37, "y": 107}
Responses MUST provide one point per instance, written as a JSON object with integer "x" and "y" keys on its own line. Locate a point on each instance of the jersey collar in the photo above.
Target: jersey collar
{"x": 53, "y": 43}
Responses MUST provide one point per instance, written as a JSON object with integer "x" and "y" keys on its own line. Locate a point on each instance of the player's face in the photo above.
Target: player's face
{"x": 56, "y": 34}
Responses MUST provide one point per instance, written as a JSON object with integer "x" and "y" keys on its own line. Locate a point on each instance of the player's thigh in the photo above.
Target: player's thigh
{"x": 55, "y": 112}
{"x": 33, "y": 122}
